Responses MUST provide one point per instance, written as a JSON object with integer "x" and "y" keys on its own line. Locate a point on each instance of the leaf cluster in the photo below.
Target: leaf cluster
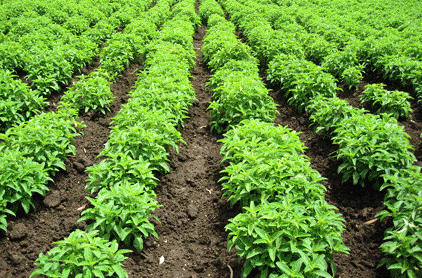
{"x": 46, "y": 138}
{"x": 370, "y": 146}
{"x": 239, "y": 94}
{"x": 221, "y": 45}
{"x": 146, "y": 134}
{"x": 300, "y": 79}
{"x": 119, "y": 51}
{"x": 328, "y": 112}
{"x": 82, "y": 254}
{"x": 208, "y": 8}
{"x": 122, "y": 212}
{"x": 286, "y": 228}
{"x": 90, "y": 92}
{"x": 344, "y": 64}
{"x": 392, "y": 102}
{"x": 17, "y": 101}
{"x": 185, "y": 10}
{"x": 11, "y": 56}
{"x": 316, "y": 48}
{"x": 20, "y": 178}
{"x": 178, "y": 31}
{"x": 403, "y": 242}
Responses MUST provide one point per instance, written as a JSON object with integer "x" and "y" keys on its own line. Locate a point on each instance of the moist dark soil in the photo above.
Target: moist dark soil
{"x": 192, "y": 239}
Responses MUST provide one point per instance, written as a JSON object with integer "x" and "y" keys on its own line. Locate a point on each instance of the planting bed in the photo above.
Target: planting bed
{"x": 192, "y": 238}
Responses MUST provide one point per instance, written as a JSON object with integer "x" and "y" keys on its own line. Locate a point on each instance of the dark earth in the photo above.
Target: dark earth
{"x": 192, "y": 238}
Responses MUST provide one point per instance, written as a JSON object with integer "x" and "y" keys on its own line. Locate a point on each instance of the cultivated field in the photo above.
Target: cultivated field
{"x": 230, "y": 138}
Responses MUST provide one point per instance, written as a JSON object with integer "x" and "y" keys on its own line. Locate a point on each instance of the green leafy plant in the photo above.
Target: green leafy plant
{"x": 402, "y": 242}
{"x": 287, "y": 229}
{"x": 352, "y": 76}
{"x": 148, "y": 137}
{"x": 82, "y": 254}
{"x": 370, "y": 146}
{"x": 47, "y": 138}
{"x": 287, "y": 238}
{"x": 208, "y": 8}
{"x": 122, "y": 213}
{"x": 328, "y": 112}
{"x": 244, "y": 99}
{"x": 117, "y": 168}
{"x": 90, "y": 92}
{"x": 316, "y": 48}
{"x": 391, "y": 102}
{"x": 301, "y": 79}
{"x": 20, "y": 178}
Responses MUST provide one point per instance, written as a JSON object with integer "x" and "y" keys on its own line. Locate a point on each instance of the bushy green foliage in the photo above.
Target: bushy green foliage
{"x": 185, "y": 10}
{"x": 90, "y": 92}
{"x": 392, "y": 102}
{"x": 287, "y": 229}
{"x": 118, "y": 168}
{"x": 11, "y": 56}
{"x": 101, "y": 31}
{"x": 300, "y": 79}
{"x": 17, "y": 101}
{"x": 221, "y": 46}
{"x": 147, "y": 137}
{"x": 243, "y": 98}
{"x": 178, "y": 31}
{"x": 287, "y": 238}
{"x": 208, "y": 8}
{"x": 370, "y": 146}
{"x": 82, "y": 254}
{"x": 268, "y": 43}
{"x": 403, "y": 242}
{"x": 315, "y": 47}
{"x": 47, "y": 138}
{"x": 352, "y": 76}
{"x": 328, "y": 112}
{"x": 20, "y": 178}
{"x": 338, "y": 62}
{"x": 160, "y": 53}
{"x": 118, "y": 52}
{"x": 122, "y": 213}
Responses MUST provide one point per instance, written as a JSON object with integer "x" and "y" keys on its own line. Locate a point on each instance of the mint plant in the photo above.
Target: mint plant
{"x": 82, "y": 254}
{"x": 20, "y": 178}
{"x": 118, "y": 168}
{"x": 391, "y": 102}
{"x": 403, "y": 244}
{"x": 328, "y": 112}
{"x": 147, "y": 136}
{"x": 287, "y": 238}
{"x": 352, "y": 76}
{"x": 245, "y": 99}
{"x": 17, "y": 101}
{"x": 300, "y": 79}
{"x": 370, "y": 146}
{"x": 122, "y": 213}
{"x": 208, "y": 8}
{"x": 90, "y": 92}
{"x": 47, "y": 138}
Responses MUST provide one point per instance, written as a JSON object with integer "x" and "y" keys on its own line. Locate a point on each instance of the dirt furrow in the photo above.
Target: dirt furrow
{"x": 192, "y": 239}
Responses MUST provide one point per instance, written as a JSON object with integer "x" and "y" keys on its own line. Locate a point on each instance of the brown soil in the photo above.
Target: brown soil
{"x": 192, "y": 238}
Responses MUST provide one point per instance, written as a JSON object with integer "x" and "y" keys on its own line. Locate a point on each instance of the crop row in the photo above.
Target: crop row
{"x": 44, "y": 141}
{"x": 286, "y": 228}
{"x": 374, "y": 149}
{"x": 356, "y": 42}
{"x": 51, "y": 41}
{"x": 142, "y": 133}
